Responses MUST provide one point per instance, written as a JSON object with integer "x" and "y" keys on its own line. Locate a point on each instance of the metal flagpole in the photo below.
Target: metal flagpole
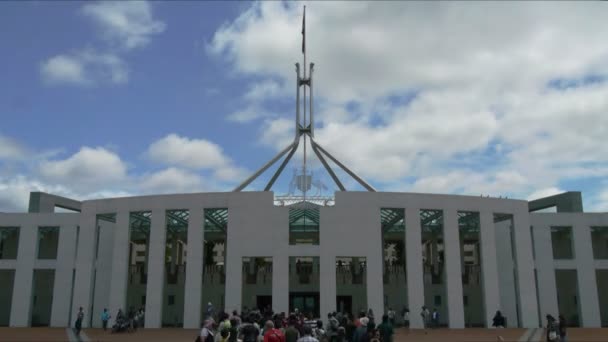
{"x": 304, "y": 177}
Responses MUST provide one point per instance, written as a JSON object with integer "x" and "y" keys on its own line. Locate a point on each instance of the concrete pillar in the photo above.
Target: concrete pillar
{"x": 526, "y": 286}
{"x": 415, "y": 285}
{"x": 488, "y": 266}
{"x": 194, "y": 270}
{"x": 451, "y": 238}
{"x": 375, "y": 280}
{"x": 24, "y": 274}
{"x": 156, "y": 270}
{"x": 85, "y": 255}
{"x": 506, "y": 276}
{"x": 234, "y": 276}
{"x": 280, "y": 283}
{"x": 587, "y": 285}
{"x": 62, "y": 288}
{"x": 327, "y": 284}
{"x": 120, "y": 263}
{"x": 545, "y": 271}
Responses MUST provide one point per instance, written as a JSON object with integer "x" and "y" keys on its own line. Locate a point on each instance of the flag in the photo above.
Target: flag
{"x": 304, "y": 31}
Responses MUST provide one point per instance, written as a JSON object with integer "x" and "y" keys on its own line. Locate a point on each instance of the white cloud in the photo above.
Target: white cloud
{"x": 248, "y": 114}
{"x": 87, "y": 170}
{"x": 11, "y": 149}
{"x": 191, "y": 153}
{"x": 129, "y": 24}
{"x": 84, "y": 68}
{"x": 541, "y": 193}
{"x": 264, "y": 90}
{"x": 480, "y": 72}
{"x": 171, "y": 180}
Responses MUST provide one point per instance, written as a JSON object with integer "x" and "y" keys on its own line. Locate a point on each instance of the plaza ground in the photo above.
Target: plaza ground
{"x": 402, "y": 335}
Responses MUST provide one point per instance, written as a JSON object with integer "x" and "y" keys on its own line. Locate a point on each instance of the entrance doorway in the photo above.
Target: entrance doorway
{"x": 344, "y": 304}
{"x": 264, "y": 302}
{"x": 305, "y": 302}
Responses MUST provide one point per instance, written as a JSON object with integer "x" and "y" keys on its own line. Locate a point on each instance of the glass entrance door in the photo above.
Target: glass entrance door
{"x": 305, "y": 302}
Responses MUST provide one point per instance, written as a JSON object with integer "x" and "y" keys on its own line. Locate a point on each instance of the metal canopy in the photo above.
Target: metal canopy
{"x": 392, "y": 220}
{"x": 216, "y": 220}
{"x": 304, "y": 129}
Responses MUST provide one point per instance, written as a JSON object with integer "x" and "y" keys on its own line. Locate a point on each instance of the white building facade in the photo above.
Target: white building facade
{"x": 173, "y": 254}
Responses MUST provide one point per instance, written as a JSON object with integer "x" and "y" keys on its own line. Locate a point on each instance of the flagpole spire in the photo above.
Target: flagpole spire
{"x": 304, "y": 127}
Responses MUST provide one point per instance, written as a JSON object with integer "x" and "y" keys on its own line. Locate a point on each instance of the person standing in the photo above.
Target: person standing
{"x": 391, "y": 316}
{"x": 271, "y": 334}
{"x": 552, "y": 329}
{"x": 563, "y": 325}
{"x": 307, "y": 335}
{"x": 79, "y": 318}
{"x": 105, "y": 316}
{"x": 291, "y": 333}
{"x": 207, "y": 334}
{"x": 386, "y": 329}
{"x": 332, "y": 327}
{"x": 499, "y": 320}
{"x": 435, "y": 318}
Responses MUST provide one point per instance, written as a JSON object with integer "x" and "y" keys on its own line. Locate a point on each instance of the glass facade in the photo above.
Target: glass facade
{"x": 215, "y": 228}
{"x": 48, "y": 241}
{"x": 433, "y": 262}
{"x": 304, "y": 224}
{"x": 139, "y": 247}
{"x": 176, "y": 243}
{"x": 470, "y": 261}
{"x": 9, "y": 242}
{"x": 599, "y": 240}
{"x": 7, "y": 281}
{"x": 561, "y": 242}
{"x": 392, "y": 222}
{"x": 257, "y": 284}
{"x": 351, "y": 284}
{"x": 42, "y": 297}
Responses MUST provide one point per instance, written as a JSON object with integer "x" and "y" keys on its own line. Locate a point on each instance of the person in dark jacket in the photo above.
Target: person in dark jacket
{"x": 552, "y": 329}
{"x": 499, "y": 320}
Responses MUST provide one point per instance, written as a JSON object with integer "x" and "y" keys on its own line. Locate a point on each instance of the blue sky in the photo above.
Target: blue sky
{"x": 123, "y": 98}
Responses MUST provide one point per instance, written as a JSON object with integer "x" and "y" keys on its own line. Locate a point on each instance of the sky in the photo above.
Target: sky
{"x": 110, "y": 99}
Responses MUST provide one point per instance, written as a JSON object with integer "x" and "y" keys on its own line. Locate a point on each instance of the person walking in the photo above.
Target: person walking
{"x": 360, "y": 334}
{"x": 271, "y": 334}
{"x": 386, "y": 329}
{"x": 291, "y": 333}
{"x": 424, "y": 313}
{"x": 307, "y": 335}
{"x": 207, "y": 334}
{"x": 563, "y": 325}
{"x": 552, "y": 329}
{"x": 105, "y": 317}
{"x": 79, "y": 318}
{"x": 332, "y": 327}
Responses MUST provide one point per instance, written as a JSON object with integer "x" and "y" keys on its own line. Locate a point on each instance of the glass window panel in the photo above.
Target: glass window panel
{"x": 561, "y": 241}
{"x": 48, "y": 240}
{"x": 9, "y": 242}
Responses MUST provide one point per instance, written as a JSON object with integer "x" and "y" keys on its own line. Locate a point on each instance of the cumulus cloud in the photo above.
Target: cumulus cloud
{"x": 411, "y": 89}
{"x": 86, "y": 169}
{"x": 84, "y": 68}
{"x": 171, "y": 180}
{"x": 129, "y": 24}
{"x": 197, "y": 154}
{"x": 11, "y": 149}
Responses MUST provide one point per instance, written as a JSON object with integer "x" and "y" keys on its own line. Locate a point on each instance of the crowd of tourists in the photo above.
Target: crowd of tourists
{"x": 267, "y": 326}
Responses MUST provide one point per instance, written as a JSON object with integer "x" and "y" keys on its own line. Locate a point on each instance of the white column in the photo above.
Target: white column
{"x": 24, "y": 273}
{"x": 587, "y": 285}
{"x": 156, "y": 270}
{"x": 375, "y": 280}
{"x": 280, "y": 283}
{"x": 451, "y": 238}
{"x": 234, "y": 276}
{"x": 62, "y": 288}
{"x": 327, "y": 284}
{"x": 545, "y": 271}
{"x": 488, "y": 266}
{"x": 85, "y": 255}
{"x": 528, "y": 304}
{"x": 194, "y": 270}
{"x": 415, "y": 284}
{"x": 120, "y": 263}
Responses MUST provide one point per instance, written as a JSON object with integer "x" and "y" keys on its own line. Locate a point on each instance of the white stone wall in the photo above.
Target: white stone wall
{"x": 256, "y": 228}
